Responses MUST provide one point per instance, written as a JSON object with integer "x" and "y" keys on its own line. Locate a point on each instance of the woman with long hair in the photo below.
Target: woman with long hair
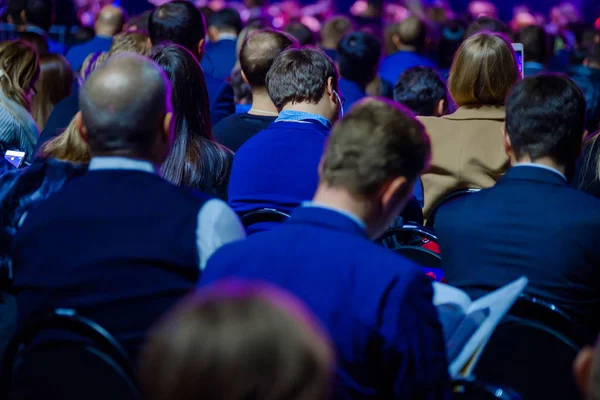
{"x": 196, "y": 160}
{"x": 55, "y": 83}
{"x": 19, "y": 71}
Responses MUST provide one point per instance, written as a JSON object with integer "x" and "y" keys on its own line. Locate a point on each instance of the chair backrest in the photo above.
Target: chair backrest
{"x": 535, "y": 309}
{"x": 408, "y": 241}
{"x": 452, "y": 196}
{"x": 473, "y": 389}
{"x": 531, "y": 358}
{"x": 262, "y": 216}
{"x": 84, "y": 361}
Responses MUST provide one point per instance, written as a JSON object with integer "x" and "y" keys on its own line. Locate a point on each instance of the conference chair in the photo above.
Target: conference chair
{"x": 531, "y": 358}
{"x": 62, "y": 355}
{"x": 451, "y": 197}
{"x": 418, "y": 244}
{"x": 262, "y": 219}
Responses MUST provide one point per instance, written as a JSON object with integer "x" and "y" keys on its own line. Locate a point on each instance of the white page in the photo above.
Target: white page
{"x": 444, "y": 294}
{"x": 498, "y": 302}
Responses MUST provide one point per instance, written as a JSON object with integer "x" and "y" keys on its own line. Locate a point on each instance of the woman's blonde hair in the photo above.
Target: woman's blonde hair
{"x": 68, "y": 146}
{"x": 483, "y": 71}
{"x": 20, "y": 67}
{"x": 131, "y": 42}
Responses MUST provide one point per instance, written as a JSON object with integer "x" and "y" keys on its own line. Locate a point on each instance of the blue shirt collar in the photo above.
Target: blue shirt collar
{"x": 104, "y": 163}
{"x": 547, "y": 168}
{"x": 301, "y": 116}
{"x": 345, "y": 213}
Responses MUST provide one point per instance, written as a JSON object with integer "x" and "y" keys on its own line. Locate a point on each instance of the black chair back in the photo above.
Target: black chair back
{"x": 263, "y": 215}
{"x": 408, "y": 241}
{"x": 92, "y": 365}
{"x": 472, "y": 389}
{"x": 531, "y": 358}
{"x": 452, "y": 196}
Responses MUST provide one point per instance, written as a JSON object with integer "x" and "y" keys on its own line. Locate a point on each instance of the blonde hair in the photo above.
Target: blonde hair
{"x": 68, "y": 146}
{"x": 483, "y": 71}
{"x": 20, "y": 65}
{"x": 131, "y": 42}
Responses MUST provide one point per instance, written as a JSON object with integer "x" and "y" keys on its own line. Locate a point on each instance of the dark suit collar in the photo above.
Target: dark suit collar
{"x": 532, "y": 174}
{"x": 326, "y": 218}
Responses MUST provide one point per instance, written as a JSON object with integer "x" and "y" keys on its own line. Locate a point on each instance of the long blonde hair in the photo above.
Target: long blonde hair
{"x": 20, "y": 67}
{"x": 68, "y": 146}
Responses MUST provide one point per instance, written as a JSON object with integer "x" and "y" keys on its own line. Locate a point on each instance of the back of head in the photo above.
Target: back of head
{"x": 412, "y": 33}
{"x": 301, "y": 32}
{"x": 358, "y": 57}
{"x": 54, "y": 84}
{"x": 300, "y": 75}
{"x": 110, "y": 20}
{"x": 259, "y": 51}
{"x": 226, "y": 20}
{"x": 484, "y": 69}
{"x": 482, "y": 8}
{"x": 19, "y": 71}
{"x": 334, "y": 29}
{"x": 131, "y": 42}
{"x": 38, "y": 41}
{"x": 40, "y": 13}
{"x": 123, "y": 106}
{"x": 545, "y": 117}
{"x": 421, "y": 89}
{"x": 237, "y": 341}
{"x": 374, "y": 143}
{"x": 487, "y": 24}
{"x": 451, "y": 37}
{"x": 179, "y": 22}
{"x": 536, "y": 43}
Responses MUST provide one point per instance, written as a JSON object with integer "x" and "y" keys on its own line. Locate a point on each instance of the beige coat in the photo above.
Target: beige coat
{"x": 467, "y": 152}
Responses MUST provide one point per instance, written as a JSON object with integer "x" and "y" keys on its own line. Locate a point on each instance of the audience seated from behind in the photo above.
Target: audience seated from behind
{"x": 19, "y": 72}
{"x": 196, "y": 160}
{"x": 409, "y": 40}
{"x": 332, "y": 32}
{"x": 34, "y": 16}
{"x": 180, "y": 22}
{"x": 376, "y": 305}
{"x": 256, "y": 57}
{"x": 467, "y": 145}
{"x": 139, "y": 243}
{"x": 532, "y": 222}
{"x": 301, "y": 32}
{"x": 64, "y": 111}
{"x": 224, "y": 26}
{"x": 423, "y": 91}
{"x": 54, "y": 84}
{"x": 536, "y": 48}
{"x": 358, "y": 60}
{"x": 109, "y": 22}
{"x": 587, "y": 76}
{"x": 236, "y": 341}
{"x": 278, "y": 167}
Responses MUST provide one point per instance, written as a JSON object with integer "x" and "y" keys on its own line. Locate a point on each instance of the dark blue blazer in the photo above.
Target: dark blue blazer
{"x": 352, "y": 93}
{"x": 395, "y": 64}
{"x": 78, "y": 53}
{"x": 220, "y": 96}
{"x": 278, "y": 167}
{"x": 375, "y": 304}
{"x": 530, "y": 223}
{"x": 219, "y": 58}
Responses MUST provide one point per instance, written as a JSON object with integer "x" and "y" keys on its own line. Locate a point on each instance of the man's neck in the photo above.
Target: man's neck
{"x": 411, "y": 49}
{"x": 545, "y": 161}
{"x": 342, "y": 199}
{"x": 309, "y": 108}
{"x": 261, "y": 103}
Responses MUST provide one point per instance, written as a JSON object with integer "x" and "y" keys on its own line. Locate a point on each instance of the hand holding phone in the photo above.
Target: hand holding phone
{"x": 518, "y": 47}
{"x": 15, "y": 157}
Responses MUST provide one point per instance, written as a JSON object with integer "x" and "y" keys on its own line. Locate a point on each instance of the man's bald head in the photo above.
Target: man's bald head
{"x": 123, "y": 106}
{"x": 110, "y": 21}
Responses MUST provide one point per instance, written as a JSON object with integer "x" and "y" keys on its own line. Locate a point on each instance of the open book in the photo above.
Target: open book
{"x": 468, "y": 324}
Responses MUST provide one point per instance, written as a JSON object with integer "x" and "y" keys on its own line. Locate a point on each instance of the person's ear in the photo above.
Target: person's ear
{"x": 244, "y": 77}
{"x": 330, "y": 89}
{"x": 167, "y": 131}
{"x": 396, "y": 41}
{"x": 201, "y": 44}
{"x": 582, "y": 367}
{"x": 507, "y": 144}
{"x": 213, "y": 34}
{"x": 23, "y": 16}
{"x": 394, "y": 192}
{"x": 81, "y": 128}
{"x": 586, "y": 62}
{"x": 440, "y": 110}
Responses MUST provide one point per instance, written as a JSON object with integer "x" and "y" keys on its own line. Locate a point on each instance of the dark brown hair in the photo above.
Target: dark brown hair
{"x": 54, "y": 84}
{"x": 21, "y": 66}
{"x": 376, "y": 141}
{"x": 483, "y": 71}
{"x": 236, "y": 341}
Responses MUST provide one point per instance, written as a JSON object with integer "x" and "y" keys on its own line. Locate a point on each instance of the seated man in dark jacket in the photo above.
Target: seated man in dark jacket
{"x": 532, "y": 222}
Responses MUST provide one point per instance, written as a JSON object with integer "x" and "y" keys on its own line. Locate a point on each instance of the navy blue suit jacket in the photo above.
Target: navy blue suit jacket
{"x": 376, "y": 305}
{"x": 352, "y": 93}
{"x": 220, "y": 96}
{"x": 530, "y": 223}
{"x": 78, "y": 53}
{"x": 395, "y": 64}
{"x": 219, "y": 58}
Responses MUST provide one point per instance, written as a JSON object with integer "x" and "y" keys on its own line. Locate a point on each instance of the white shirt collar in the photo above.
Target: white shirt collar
{"x": 529, "y": 164}
{"x": 227, "y": 36}
{"x": 348, "y": 214}
{"x": 104, "y": 163}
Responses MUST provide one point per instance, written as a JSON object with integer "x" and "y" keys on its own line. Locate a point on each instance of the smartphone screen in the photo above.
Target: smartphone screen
{"x": 518, "y": 47}
{"x": 15, "y": 157}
